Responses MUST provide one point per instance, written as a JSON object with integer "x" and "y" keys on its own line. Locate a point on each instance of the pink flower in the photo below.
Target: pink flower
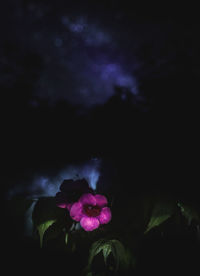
{"x": 91, "y": 211}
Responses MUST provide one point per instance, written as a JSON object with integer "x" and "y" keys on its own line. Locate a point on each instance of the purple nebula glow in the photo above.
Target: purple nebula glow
{"x": 46, "y": 185}
{"x": 83, "y": 64}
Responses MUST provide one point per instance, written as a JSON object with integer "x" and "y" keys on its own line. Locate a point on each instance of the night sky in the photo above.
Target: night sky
{"x": 112, "y": 86}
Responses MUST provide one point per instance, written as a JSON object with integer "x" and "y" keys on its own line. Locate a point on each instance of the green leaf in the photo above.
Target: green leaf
{"x": 66, "y": 238}
{"x": 95, "y": 249}
{"x": 49, "y": 219}
{"x": 120, "y": 254}
{"x": 161, "y": 212}
{"x": 107, "y": 249}
{"x": 122, "y": 257}
{"x": 189, "y": 213}
{"x": 42, "y": 228}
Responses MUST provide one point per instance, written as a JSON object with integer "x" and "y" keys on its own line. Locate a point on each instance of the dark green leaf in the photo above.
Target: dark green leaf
{"x": 48, "y": 219}
{"x": 161, "y": 212}
{"x": 189, "y": 213}
{"x": 66, "y": 238}
{"x": 95, "y": 249}
{"x": 122, "y": 257}
{"x": 89, "y": 274}
{"x": 120, "y": 254}
{"x": 46, "y": 209}
{"x": 107, "y": 249}
{"x": 42, "y": 229}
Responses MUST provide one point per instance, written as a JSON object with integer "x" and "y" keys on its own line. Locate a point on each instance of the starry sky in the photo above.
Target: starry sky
{"x": 80, "y": 52}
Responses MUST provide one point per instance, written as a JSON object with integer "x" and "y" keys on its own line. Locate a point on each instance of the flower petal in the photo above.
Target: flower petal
{"x": 101, "y": 200}
{"x": 88, "y": 199}
{"x": 76, "y": 211}
{"x": 89, "y": 223}
{"x": 62, "y": 205}
{"x": 68, "y": 206}
{"x": 105, "y": 215}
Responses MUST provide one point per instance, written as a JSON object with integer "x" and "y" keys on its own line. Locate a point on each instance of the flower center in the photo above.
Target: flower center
{"x": 92, "y": 211}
